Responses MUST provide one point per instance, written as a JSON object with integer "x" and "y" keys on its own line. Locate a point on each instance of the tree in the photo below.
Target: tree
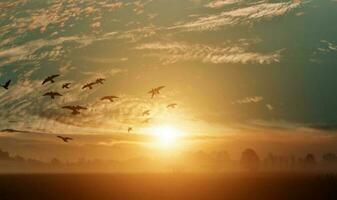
{"x": 250, "y": 160}
{"x": 310, "y": 159}
{"x": 330, "y": 158}
{"x": 4, "y": 155}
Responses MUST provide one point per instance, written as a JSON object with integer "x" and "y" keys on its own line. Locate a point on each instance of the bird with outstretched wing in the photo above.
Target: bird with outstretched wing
{"x": 52, "y": 94}
{"x": 65, "y": 139}
{"x": 6, "y": 85}
{"x": 50, "y": 79}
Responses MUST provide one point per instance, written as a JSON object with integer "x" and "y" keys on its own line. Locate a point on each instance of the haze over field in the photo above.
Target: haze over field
{"x": 178, "y": 78}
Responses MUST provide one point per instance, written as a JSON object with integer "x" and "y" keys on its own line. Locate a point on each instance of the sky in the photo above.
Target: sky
{"x": 243, "y": 73}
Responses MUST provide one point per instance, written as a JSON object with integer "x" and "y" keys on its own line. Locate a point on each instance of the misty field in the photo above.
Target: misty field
{"x": 167, "y": 186}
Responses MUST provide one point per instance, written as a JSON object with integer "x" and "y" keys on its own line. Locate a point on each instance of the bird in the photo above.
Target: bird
{"x": 129, "y": 129}
{"x": 110, "y": 98}
{"x": 172, "y": 105}
{"x": 89, "y": 85}
{"x": 65, "y": 139}
{"x": 99, "y": 81}
{"x": 6, "y": 85}
{"x": 75, "y": 109}
{"x": 66, "y": 85}
{"x": 50, "y": 79}
{"x": 52, "y": 94}
{"x": 152, "y": 92}
{"x": 146, "y": 112}
{"x": 155, "y": 91}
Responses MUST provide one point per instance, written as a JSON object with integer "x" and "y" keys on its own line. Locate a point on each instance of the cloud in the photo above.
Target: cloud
{"x": 246, "y": 15}
{"x": 324, "y": 126}
{"x": 57, "y": 13}
{"x": 37, "y": 50}
{"x": 249, "y": 100}
{"x": 139, "y": 6}
{"x": 175, "y": 51}
{"x": 135, "y": 35}
{"x": 270, "y": 107}
{"x": 221, "y": 3}
{"x": 328, "y": 46}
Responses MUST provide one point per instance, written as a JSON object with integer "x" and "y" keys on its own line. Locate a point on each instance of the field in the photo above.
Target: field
{"x": 167, "y": 186}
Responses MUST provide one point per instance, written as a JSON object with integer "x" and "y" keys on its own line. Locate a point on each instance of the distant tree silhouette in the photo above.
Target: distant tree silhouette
{"x": 270, "y": 160}
{"x": 250, "y": 160}
{"x": 4, "y": 155}
{"x": 329, "y": 158}
{"x": 55, "y": 162}
{"x": 19, "y": 159}
{"x": 221, "y": 156}
{"x": 309, "y": 160}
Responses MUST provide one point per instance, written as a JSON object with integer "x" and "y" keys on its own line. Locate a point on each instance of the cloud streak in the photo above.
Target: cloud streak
{"x": 247, "y": 15}
{"x": 173, "y": 52}
{"x": 221, "y": 3}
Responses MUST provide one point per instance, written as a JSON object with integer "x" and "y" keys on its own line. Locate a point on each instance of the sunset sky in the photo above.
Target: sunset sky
{"x": 243, "y": 73}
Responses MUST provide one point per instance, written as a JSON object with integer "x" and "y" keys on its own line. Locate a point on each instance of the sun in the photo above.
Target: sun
{"x": 166, "y": 136}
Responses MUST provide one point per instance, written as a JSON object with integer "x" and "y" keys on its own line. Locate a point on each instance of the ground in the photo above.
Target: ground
{"x": 167, "y": 186}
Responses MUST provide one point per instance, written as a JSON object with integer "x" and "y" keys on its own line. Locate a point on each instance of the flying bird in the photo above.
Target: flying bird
{"x": 50, "y": 79}
{"x": 66, "y": 85}
{"x": 110, "y": 98}
{"x": 155, "y": 91}
{"x": 6, "y": 85}
{"x": 65, "y": 139}
{"x": 52, "y": 94}
{"x": 172, "y": 105}
{"x": 146, "y": 112}
{"x": 75, "y": 109}
{"x": 99, "y": 81}
{"x": 152, "y": 92}
{"x": 129, "y": 129}
{"x": 89, "y": 85}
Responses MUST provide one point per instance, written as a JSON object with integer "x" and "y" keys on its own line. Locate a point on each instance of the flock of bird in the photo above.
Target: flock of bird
{"x": 77, "y": 108}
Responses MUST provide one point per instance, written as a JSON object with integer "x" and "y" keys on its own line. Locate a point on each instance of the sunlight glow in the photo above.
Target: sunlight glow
{"x": 167, "y": 136}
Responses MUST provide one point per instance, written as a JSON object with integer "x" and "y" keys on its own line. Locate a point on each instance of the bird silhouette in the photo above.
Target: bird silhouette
{"x": 52, "y": 94}
{"x": 50, "y": 79}
{"x": 172, "y": 105}
{"x": 66, "y": 85}
{"x": 155, "y": 91}
{"x": 152, "y": 92}
{"x": 75, "y": 109}
{"x": 6, "y": 85}
{"x": 110, "y": 98}
{"x": 129, "y": 129}
{"x": 89, "y": 85}
{"x": 99, "y": 81}
{"x": 146, "y": 112}
{"x": 65, "y": 139}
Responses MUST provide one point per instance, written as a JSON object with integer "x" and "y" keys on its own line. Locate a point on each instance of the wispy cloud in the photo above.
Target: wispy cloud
{"x": 139, "y": 5}
{"x": 249, "y": 100}
{"x": 30, "y": 51}
{"x": 174, "y": 52}
{"x": 221, "y": 3}
{"x": 246, "y": 15}
{"x": 328, "y": 46}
